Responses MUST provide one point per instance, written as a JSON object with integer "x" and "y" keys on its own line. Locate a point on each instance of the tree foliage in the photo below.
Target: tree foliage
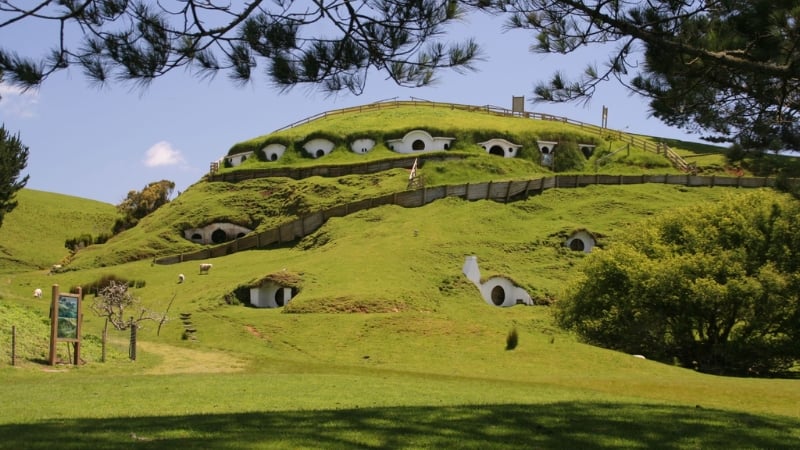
{"x": 726, "y": 67}
{"x": 13, "y": 159}
{"x": 139, "y": 204}
{"x": 331, "y": 43}
{"x": 715, "y": 286}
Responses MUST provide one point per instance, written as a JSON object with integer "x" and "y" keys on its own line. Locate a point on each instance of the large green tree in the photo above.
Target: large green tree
{"x": 715, "y": 287}
{"x": 729, "y": 69}
{"x": 13, "y": 159}
{"x": 330, "y": 43}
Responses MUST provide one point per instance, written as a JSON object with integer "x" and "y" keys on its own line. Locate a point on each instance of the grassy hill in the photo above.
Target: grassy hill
{"x": 34, "y": 233}
{"x": 263, "y": 203}
{"x": 386, "y": 343}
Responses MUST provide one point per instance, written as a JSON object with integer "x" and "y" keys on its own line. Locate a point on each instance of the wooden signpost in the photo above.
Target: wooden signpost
{"x": 66, "y": 317}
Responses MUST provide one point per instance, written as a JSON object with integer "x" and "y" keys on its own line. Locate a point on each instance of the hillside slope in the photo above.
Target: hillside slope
{"x": 33, "y": 235}
{"x": 262, "y": 201}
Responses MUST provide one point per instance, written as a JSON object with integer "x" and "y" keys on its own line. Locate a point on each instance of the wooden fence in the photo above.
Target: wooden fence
{"x": 501, "y": 191}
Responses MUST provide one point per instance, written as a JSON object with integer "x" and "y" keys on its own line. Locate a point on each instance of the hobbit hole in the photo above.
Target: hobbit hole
{"x": 419, "y": 141}
{"x": 497, "y": 291}
{"x": 363, "y": 145}
{"x": 581, "y": 241}
{"x": 279, "y": 297}
{"x": 587, "y": 150}
{"x": 498, "y": 295}
{"x": 215, "y": 233}
{"x": 218, "y": 236}
{"x": 317, "y": 148}
{"x": 273, "y": 152}
{"x": 271, "y": 294}
{"x": 500, "y": 147}
{"x": 237, "y": 159}
{"x": 547, "y": 150}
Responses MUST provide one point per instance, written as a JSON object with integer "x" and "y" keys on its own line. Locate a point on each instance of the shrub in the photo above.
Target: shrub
{"x": 512, "y": 339}
{"x": 104, "y": 281}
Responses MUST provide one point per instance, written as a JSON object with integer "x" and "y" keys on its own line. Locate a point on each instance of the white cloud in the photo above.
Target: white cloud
{"x": 16, "y": 102}
{"x": 162, "y": 154}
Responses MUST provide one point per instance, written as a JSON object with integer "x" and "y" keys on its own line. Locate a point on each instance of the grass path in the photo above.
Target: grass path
{"x": 176, "y": 360}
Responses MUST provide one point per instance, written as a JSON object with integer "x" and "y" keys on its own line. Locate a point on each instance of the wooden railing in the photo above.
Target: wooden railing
{"x": 501, "y": 191}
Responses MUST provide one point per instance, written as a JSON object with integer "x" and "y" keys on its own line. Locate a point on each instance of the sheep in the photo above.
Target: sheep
{"x": 181, "y": 278}
{"x": 37, "y": 293}
{"x": 204, "y": 268}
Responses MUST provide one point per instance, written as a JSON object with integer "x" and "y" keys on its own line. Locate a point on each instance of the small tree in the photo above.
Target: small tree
{"x": 123, "y": 310}
{"x": 13, "y": 159}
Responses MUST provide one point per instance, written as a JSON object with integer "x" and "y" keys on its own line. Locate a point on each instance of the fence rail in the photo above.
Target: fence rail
{"x": 500, "y": 191}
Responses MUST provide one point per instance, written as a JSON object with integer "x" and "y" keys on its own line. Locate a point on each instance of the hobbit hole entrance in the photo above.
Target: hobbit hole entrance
{"x": 497, "y": 150}
{"x": 577, "y": 245}
{"x": 218, "y": 236}
{"x": 419, "y": 144}
{"x": 498, "y": 295}
{"x": 320, "y": 153}
{"x": 279, "y": 300}
{"x": 273, "y": 157}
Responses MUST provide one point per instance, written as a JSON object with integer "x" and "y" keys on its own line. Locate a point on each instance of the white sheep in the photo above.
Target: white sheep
{"x": 37, "y": 293}
{"x": 204, "y": 268}
{"x": 181, "y": 278}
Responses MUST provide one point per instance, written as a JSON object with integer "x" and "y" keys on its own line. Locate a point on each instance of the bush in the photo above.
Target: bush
{"x": 512, "y": 339}
{"x": 104, "y": 281}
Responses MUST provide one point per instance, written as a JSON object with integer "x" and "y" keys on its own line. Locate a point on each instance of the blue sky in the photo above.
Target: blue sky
{"x": 100, "y": 143}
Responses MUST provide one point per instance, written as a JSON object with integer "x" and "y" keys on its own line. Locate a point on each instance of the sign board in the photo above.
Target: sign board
{"x": 66, "y": 315}
{"x": 517, "y": 105}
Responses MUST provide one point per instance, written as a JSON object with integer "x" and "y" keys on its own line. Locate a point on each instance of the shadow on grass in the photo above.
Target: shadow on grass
{"x": 559, "y": 425}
